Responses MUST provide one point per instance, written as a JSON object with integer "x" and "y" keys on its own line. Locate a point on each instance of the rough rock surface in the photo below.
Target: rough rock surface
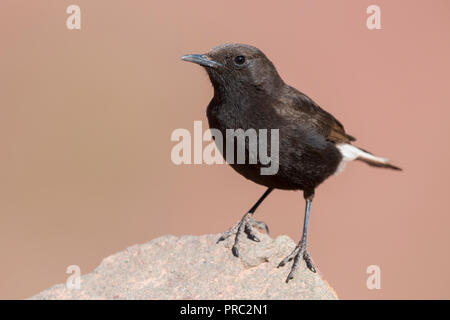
{"x": 195, "y": 267}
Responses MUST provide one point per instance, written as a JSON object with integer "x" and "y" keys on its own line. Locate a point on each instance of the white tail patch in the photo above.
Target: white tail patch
{"x": 350, "y": 153}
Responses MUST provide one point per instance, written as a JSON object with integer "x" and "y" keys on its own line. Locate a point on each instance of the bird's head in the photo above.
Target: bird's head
{"x": 238, "y": 67}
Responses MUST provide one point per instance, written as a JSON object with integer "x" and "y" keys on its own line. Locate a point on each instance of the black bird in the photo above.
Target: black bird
{"x": 313, "y": 145}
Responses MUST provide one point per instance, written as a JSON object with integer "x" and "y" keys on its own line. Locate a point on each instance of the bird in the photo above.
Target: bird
{"x": 249, "y": 93}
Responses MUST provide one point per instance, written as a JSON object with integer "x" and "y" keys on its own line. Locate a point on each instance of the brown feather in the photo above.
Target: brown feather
{"x": 301, "y": 108}
{"x": 379, "y": 164}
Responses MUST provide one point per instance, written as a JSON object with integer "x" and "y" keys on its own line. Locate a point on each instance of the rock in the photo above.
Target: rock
{"x": 195, "y": 267}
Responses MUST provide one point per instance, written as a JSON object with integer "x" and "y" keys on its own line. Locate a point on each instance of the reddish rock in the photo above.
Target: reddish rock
{"x": 195, "y": 267}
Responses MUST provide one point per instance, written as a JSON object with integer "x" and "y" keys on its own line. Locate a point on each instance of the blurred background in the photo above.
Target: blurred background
{"x": 86, "y": 117}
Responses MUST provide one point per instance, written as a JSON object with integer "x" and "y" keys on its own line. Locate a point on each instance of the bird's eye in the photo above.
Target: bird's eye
{"x": 239, "y": 60}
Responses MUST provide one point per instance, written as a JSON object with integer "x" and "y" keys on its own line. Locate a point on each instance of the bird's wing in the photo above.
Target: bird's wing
{"x": 300, "y": 108}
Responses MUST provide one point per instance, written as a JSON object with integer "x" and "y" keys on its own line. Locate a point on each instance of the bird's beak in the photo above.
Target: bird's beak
{"x": 201, "y": 59}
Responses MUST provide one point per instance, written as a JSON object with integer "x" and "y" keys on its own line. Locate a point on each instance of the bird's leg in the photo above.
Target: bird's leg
{"x": 300, "y": 250}
{"x": 246, "y": 226}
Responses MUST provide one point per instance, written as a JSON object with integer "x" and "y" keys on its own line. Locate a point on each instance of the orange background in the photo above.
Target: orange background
{"x": 86, "y": 117}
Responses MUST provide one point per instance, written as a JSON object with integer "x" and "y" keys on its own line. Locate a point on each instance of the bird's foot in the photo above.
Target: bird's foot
{"x": 246, "y": 226}
{"x": 298, "y": 253}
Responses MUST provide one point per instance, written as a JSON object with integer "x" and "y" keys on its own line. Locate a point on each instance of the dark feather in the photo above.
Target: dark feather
{"x": 299, "y": 107}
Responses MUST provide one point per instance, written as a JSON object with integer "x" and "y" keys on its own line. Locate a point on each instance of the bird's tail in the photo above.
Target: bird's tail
{"x": 350, "y": 152}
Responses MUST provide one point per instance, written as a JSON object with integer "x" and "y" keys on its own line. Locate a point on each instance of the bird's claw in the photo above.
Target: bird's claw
{"x": 260, "y": 225}
{"x": 246, "y": 226}
{"x": 298, "y": 253}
